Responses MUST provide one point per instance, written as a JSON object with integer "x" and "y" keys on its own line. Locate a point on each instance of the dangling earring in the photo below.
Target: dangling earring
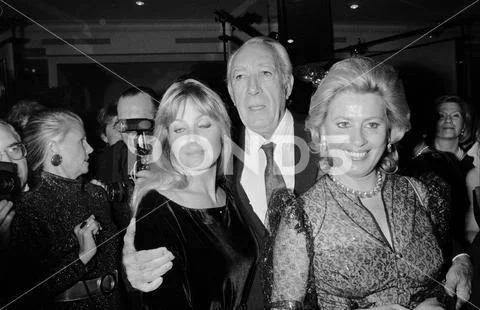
{"x": 56, "y": 160}
{"x": 462, "y": 133}
{"x": 389, "y": 147}
{"x": 324, "y": 162}
{"x": 323, "y": 146}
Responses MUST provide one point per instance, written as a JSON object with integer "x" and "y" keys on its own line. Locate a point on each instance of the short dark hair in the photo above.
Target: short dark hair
{"x": 105, "y": 115}
{"x": 20, "y": 113}
{"x": 133, "y": 91}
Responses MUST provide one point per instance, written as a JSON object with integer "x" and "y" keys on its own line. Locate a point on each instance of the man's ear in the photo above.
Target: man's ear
{"x": 289, "y": 86}
{"x": 230, "y": 92}
{"x": 104, "y": 137}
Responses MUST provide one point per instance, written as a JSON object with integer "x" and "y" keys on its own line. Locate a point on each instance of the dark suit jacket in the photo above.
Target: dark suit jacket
{"x": 304, "y": 179}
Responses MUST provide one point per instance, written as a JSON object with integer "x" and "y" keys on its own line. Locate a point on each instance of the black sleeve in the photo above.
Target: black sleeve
{"x": 158, "y": 226}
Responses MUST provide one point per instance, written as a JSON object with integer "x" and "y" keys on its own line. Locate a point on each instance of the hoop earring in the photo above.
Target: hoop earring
{"x": 56, "y": 160}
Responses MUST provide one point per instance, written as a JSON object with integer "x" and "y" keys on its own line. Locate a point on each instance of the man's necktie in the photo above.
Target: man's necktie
{"x": 273, "y": 177}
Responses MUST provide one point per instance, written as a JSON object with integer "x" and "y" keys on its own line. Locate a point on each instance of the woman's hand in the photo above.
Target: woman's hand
{"x": 85, "y": 233}
{"x": 430, "y": 304}
{"x": 145, "y": 269}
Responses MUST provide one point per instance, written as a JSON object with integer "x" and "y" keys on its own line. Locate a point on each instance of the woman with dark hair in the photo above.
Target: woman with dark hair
{"x": 184, "y": 206}
{"x": 61, "y": 222}
{"x": 362, "y": 236}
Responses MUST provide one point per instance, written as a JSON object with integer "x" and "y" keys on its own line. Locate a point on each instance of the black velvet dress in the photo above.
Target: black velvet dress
{"x": 44, "y": 249}
{"x": 215, "y": 254}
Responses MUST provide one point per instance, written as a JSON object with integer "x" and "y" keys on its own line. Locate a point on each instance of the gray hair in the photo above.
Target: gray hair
{"x": 44, "y": 127}
{"x": 278, "y": 51}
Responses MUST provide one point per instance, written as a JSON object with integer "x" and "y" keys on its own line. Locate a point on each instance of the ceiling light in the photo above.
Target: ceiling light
{"x": 290, "y": 41}
{"x": 139, "y": 3}
{"x": 354, "y": 6}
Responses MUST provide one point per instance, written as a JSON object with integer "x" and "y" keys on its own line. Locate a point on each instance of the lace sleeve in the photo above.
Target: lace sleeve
{"x": 436, "y": 195}
{"x": 288, "y": 277}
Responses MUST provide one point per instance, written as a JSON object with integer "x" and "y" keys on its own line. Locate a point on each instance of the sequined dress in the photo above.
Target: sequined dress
{"x": 45, "y": 249}
{"x": 328, "y": 246}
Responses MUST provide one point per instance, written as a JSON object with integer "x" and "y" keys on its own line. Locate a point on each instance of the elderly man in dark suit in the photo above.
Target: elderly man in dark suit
{"x": 273, "y": 139}
{"x": 271, "y": 152}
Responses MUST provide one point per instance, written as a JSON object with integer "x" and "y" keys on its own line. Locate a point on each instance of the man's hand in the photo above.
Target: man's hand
{"x": 6, "y": 217}
{"x": 459, "y": 280}
{"x": 144, "y": 268}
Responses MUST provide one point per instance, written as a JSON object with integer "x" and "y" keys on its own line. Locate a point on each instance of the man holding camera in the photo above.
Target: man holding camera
{"x": 13, "y": 180}
{"x": 13, "y": 176}
{"x": 134, "y": 108}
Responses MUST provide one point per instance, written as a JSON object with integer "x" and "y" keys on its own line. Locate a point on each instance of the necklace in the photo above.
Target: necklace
{"x": 459, "y": 153}
{"x": 362, "y": 194}
{"x": 423, "y": 149}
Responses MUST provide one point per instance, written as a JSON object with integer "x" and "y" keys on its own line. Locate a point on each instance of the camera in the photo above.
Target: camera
{"x": 141, "y": 127}
{"x": 119, "y": 191}
{"x": 135, "y": 124}
{"x": 10, "y": 185}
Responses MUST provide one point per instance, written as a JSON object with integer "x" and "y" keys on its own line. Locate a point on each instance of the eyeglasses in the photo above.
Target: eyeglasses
{"x": 15, "y": 151}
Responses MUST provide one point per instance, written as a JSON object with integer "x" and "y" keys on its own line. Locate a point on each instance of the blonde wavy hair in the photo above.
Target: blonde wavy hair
{"x": 165, "y": 174}
{"x": 361, "y": 75}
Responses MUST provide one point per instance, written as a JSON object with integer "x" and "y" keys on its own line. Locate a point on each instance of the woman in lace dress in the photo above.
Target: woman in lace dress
{"x": 362, "y": 237}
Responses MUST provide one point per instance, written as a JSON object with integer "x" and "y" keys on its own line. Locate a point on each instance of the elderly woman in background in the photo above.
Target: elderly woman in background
{"x": 184, "y": 206}
{"x": 362, "y": 236}
{"x": 60, "y": 222}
